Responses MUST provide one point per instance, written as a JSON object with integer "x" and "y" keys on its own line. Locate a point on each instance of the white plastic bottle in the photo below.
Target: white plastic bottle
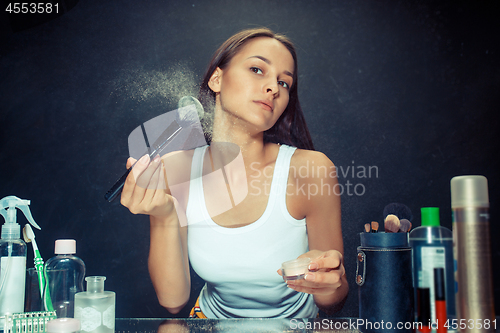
{"x": 95, "y": 308}
{"x": 13, "y": 257}
{"x": 64, "y": 274}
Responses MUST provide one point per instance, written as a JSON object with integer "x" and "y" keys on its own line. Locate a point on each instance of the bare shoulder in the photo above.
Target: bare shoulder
{"x": 302, "y": 155}
{"x": 313, "y": 164}
{"x": 313, "y": 183}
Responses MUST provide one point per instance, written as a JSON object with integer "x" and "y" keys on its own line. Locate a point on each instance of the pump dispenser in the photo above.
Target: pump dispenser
{"x": 13, "y": 257}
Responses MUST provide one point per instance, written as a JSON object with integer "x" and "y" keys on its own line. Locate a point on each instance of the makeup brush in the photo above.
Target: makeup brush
{"x": 405, "y": 225}
{"x": 391, "y": 223}
{"x": 400, "y": 210}
{"x": 374, "y": 226}
{"x": 367, "y": 227}
{"x": 188, "y": 107}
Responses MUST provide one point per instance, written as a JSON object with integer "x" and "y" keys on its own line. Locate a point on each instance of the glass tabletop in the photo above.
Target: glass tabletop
{"x": 153, "y": 325}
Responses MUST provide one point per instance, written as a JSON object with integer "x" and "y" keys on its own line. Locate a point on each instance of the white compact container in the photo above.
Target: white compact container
{"x": 63, "y": 325}
{"x": 295, "y": 269}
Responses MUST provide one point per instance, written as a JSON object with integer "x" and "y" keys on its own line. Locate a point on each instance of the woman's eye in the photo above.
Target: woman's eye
{"x": 284, "y": 84}
{"x": 256, "y": 70}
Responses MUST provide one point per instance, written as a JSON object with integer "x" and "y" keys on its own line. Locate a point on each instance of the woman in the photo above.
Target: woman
{"x": 289, "y": 209}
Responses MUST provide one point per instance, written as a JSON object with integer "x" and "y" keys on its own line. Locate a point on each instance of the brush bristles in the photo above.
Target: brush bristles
{"x": 405, "y": 225}
{"x": 188, "y": 115}
{"x": 400, "y": 210}
{"x": 374, "y": 226}
{"x": 367, "y": 227}
{"x": 392, "y": 223}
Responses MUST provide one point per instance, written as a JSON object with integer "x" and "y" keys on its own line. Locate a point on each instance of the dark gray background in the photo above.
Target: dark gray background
{"x": 408, "y": 87}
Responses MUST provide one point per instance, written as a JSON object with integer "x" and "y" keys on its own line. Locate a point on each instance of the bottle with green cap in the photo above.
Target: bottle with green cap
{"x": 432, "y": 247}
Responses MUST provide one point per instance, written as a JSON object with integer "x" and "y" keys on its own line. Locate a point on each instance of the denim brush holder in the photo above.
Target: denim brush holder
{"x": 384, "y": 279}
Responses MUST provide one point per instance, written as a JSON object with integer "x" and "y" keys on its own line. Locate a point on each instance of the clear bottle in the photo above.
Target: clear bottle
{"x": 95, "y": 308}
{"x": 13, "y": 257}
{"x": 432, "y": 247}
{"x": 64, "y": 276}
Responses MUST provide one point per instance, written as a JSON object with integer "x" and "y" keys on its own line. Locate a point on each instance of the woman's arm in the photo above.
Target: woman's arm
{"x": 168, "y": 262}
{"x": 146, "y": 192}
{"x": 321, "y": 207}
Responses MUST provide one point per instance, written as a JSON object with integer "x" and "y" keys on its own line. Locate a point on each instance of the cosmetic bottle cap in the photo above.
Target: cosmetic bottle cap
{"x": 469, "y": 191}
{"x": 65, "y": 246}
{"x": 430, "y": 216}
{"x": 95, "y": 284}
{"x": 63, "y": 325}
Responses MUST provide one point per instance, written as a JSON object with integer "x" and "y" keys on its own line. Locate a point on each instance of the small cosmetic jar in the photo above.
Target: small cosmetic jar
{"x": 63, "y": 325}
{"x": 295, "y": 269}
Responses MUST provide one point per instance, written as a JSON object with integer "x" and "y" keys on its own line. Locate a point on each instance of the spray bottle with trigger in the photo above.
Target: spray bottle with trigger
{"x": 13, "y": 257}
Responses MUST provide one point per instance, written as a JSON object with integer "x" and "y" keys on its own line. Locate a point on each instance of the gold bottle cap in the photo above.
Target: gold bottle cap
{"x": 469, "y": 191}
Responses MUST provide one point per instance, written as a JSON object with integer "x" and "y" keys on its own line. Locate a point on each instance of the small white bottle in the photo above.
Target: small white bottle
{"x": 64, "y": 275}
{"x": 95, "y": 308}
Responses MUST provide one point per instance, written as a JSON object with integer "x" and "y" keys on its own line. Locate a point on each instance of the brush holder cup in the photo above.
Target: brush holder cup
{"x": 384, "y": 279}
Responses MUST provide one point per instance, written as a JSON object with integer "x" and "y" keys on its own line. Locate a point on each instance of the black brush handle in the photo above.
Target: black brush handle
{"x": 164, "y": 139}
{"x": 117, "y": 187}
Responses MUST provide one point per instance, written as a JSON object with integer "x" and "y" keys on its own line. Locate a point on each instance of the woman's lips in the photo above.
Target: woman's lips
{"x": 265, "y": 105}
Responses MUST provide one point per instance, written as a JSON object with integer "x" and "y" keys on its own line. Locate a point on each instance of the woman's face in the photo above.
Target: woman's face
{"x": 254, "y": 86}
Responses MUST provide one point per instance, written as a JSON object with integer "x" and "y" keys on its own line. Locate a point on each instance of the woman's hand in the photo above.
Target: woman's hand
{"x": 145, "y": 190}
{"x": 325, "y": 276}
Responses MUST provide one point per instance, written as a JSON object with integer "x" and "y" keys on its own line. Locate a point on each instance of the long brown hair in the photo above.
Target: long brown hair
{"x": 290, "y": 128}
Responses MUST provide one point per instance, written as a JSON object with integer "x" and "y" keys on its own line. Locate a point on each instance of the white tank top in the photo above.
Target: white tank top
{"x": 239, "y": 265}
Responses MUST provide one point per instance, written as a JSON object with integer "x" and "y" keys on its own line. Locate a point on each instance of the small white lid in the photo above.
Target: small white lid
{"x": 62, "y": 325}
{"x": 469, "y": 191}
{"x": 296, "y": 263}
{"x": 65, "y": 246}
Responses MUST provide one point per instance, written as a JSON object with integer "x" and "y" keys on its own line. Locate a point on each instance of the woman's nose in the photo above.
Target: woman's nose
{"x": 272, "y": 87}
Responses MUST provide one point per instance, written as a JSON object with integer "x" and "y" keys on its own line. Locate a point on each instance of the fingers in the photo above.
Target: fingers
{"x": 130, "y": 162}
{"x": 325, "y": 275}
{"x": 319, "y": 282}
{"x": 310, "y": 290}
{"x": 332, "y": 277}
{"x": 153, "y": 183}
{"x": 145, "y": 173}
{"x": 141, "y": 183}
{"x": 329, "y": 260}
{"x": 142, "y": 171}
